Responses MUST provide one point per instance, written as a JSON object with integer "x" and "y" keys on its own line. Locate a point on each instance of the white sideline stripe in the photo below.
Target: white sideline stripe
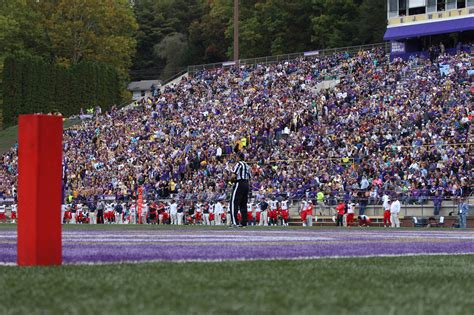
{"x": 252, "y": 259}
{"x": 243, "y": 237}
{"x": 211, "y": 231}
{"x": 232, "y": 204}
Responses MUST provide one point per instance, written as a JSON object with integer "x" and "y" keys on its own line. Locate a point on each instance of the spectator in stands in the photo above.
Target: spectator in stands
{"x": 442, "y": 50}
{"x": 390, "y": 126}
{"x": 340, "y": 211}
{"x": 437, "y": 201}
{"x": 395, "y": 208}
{"x": 386, "y": 210}
{"x": 464, "y": 208}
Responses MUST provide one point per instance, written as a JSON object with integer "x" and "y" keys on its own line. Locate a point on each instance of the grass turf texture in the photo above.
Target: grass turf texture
{"x": 9, "y": 136}
{"x": 383, "y": 285}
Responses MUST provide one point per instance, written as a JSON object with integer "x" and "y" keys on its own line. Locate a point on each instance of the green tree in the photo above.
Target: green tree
{"x": 158, "y": 19}
{"x": 277, "y": 27}
{"x": 267, "y": 27}
{"x": 372, "y": 21}
{"x": 172, "y": 49}
{"x": 94, "y": 30}
{"x": 31, "y": 85}
{"x": 207, "y": 36}
{"x": 151, "y": 30}
{"x": 21, "y": 30}
{"x": 335, "y": 27}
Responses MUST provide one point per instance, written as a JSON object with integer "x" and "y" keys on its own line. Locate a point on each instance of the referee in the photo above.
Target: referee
{"x": 240, "y": 192}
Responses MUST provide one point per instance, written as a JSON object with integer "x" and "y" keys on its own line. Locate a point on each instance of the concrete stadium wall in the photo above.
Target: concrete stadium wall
{"x": 424, "y": 210}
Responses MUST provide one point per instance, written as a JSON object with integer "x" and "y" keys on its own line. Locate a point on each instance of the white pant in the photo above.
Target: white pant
{"x": 228, "y": 219}
{"x": 206, "y": 219}
{"x": 394, "y": 219}
{"x": 144, "y": 218}
{"x": 92, "y": 218}
{"x": 118, "y": 218}
{"x": 180, "y": 218}
{"x": 133, "y": 218}
{"x": 218, "y": 219}
{"x": 174, "y": 218}
{"x": 309, "y": 220}
{"x": 62, "y": 216}
{"x": 263, "y": 218}
{"x": 73, "y": 218}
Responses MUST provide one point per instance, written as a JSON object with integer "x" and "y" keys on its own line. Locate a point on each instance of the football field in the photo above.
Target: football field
{"x": 197, "y": 270}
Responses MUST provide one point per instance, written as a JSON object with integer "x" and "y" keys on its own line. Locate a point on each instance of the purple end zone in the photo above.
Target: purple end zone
{"x": 110, "y": 246}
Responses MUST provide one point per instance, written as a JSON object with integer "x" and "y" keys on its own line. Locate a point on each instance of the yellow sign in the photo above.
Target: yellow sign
{"x": 428, "y": 16}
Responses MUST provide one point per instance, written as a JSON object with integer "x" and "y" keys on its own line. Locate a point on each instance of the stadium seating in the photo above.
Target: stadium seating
{"x": 400, "y": 127}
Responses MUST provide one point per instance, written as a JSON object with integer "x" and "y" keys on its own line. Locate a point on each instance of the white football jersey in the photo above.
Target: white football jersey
{"x": 250, "y": 207}
{"x": 273, "y": 204}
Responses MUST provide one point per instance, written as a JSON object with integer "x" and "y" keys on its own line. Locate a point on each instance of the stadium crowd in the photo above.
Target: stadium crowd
{"x": 396, "y": 127}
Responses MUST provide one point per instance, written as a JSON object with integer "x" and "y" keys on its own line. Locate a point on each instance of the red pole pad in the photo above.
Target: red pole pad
{"x": 39, "y": 190}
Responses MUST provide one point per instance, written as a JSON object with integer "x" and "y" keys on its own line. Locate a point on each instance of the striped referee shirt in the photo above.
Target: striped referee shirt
{"x": 242, "y": 171}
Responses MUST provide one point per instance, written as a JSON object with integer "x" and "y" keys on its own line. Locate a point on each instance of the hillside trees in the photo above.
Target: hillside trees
{"x": 267, "y": 27}
{"x": 57, "y": 39}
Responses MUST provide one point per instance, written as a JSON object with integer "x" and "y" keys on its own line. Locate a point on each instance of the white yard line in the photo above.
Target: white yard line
{"x": 253, "y": 259}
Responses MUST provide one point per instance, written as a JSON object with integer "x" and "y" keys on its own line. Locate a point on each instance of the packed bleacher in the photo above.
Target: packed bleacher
{"x": 400, "y": 126}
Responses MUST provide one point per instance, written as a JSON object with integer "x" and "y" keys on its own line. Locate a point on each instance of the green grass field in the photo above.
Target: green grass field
{"x": 9, "y": 136}
{"x": 385, "y": 285}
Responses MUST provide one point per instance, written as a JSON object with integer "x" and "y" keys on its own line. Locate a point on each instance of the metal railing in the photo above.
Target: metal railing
{"x": 175, "y": 76}
{"x": 287, "y": 57}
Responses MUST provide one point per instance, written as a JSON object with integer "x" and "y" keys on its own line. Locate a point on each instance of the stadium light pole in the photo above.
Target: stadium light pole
{"x": 236, "y": 31}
